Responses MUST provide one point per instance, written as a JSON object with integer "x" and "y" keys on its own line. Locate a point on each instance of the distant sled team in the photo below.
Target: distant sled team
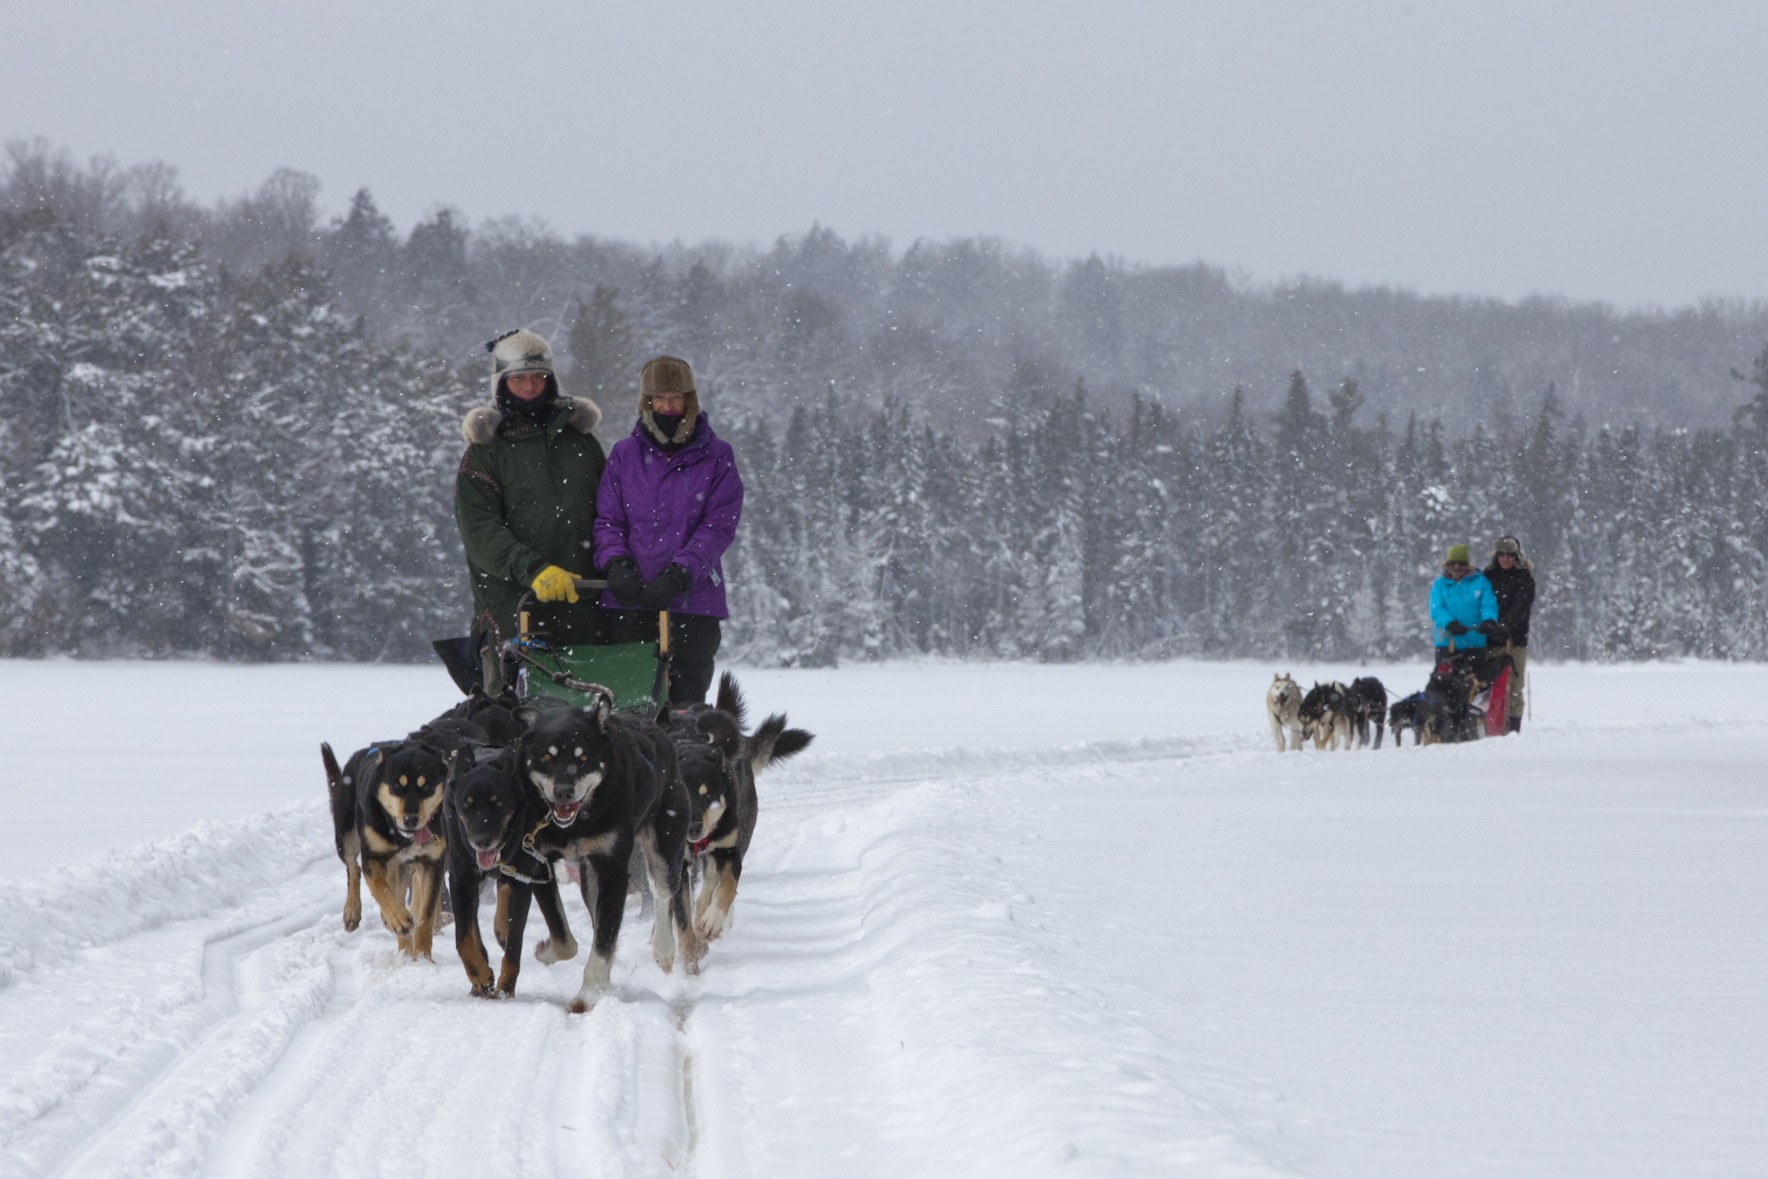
{"x": 1457, "y": 703}
{"x": 514, "y": 792}
{"x": 1480, "y": 629}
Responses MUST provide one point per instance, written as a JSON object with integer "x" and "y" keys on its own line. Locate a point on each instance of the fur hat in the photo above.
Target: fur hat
{"x": 1507, "y": 544}
{"x": 668, "y": 374}
{"x": 521, "y": 351}
{"x": 1457, "y": 553}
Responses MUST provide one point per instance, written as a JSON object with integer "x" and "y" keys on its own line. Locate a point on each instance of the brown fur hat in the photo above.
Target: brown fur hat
{"x": 668, "y": 374}
{"x": 1509, "y": 544}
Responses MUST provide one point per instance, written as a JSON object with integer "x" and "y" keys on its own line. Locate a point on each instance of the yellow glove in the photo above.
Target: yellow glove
{"x": 553, "y": 584}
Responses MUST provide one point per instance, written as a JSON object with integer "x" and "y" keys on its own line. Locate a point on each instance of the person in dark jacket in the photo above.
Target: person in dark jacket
{"x": 667, "y": 509}
{"x": 524, "y": 500}
{"x": 1513, "y": 583}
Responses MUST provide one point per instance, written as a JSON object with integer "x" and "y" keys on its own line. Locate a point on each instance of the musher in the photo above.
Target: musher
{"x": 525, "y": 502}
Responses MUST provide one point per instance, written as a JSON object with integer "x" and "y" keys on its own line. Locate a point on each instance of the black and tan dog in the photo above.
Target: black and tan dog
{"x": 385, "y": 804}
{"x": 492, "y": 816}
{"x": 718, "y": 766}
{"x": 611, "y": 782}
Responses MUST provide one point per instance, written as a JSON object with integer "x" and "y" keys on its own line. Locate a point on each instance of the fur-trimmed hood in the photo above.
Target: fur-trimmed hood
{"x": 481, "y": 424}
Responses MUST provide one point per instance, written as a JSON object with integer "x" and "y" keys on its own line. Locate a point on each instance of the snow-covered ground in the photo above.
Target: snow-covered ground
{"x": 1000, "y": 920}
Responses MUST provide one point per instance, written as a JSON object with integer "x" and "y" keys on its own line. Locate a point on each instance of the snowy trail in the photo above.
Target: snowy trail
{"x": 234, "y": 1036}
{"x": 1119, "y": 955}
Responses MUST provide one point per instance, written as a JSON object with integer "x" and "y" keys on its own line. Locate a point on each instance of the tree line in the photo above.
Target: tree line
{"x": 207, "y": 452}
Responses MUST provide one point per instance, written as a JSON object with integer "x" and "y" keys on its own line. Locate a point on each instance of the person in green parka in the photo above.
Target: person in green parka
{"x": 524, "y": 500}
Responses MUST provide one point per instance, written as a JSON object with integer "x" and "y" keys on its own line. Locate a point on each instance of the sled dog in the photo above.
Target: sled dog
{"x": 1283, "y": 709}
{"x": 385, "y": 805}
{"x": 610, "y": 781}
{"x": 490, "y": 815}
{"x": 1325, "y": 715}
{"x": 718, "y": 766}
{"x": 1407, "y": 716}
{"x": 1368, "y": 706}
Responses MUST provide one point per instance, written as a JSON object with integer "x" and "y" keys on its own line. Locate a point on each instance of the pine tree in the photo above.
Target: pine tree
{"x": 603, "y": 365}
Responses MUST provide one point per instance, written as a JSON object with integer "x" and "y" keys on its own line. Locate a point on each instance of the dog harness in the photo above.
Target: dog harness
{"x": 527, "y": 848}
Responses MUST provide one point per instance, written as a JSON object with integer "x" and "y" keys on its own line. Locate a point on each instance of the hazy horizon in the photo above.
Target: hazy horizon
{"x": 1577, "y": 153}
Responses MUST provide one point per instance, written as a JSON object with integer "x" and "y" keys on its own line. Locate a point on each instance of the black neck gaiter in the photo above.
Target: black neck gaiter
{"x": 540, "y": 411}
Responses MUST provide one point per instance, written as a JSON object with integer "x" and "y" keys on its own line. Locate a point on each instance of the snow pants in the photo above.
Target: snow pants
{"x": 1513, "y": 703}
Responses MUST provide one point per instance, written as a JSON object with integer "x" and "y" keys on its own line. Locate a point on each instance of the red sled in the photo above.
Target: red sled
{"x": 1497, "y": 701}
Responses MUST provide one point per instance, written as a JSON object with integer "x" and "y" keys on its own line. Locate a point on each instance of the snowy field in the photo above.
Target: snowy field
{"x": 1000, "y": 920}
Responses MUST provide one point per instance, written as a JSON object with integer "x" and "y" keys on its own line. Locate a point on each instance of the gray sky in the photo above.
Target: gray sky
{"x": 1592, "y": 148}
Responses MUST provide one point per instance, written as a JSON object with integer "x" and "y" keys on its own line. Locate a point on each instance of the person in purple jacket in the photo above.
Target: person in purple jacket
{"x": 667, "y": 508}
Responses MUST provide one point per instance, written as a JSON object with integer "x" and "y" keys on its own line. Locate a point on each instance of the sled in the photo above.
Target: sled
{"x": 636, "y": 675}
{"x": 1497, "y": 703}
{"x": 1480, "y": 713}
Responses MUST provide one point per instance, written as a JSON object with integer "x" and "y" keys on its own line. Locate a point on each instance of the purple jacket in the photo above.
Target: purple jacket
{"x": 660, "y": 509}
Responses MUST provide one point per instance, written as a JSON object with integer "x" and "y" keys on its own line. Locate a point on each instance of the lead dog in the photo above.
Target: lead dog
{"x": 490, "y": 815}
{"x": 385, "y": 803}
{"x": 1283, "y": 708}
{"x": 610, "y": 782}
{"x": 718, "y": 766}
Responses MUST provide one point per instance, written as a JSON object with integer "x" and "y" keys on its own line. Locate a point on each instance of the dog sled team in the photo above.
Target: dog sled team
{"x": 1480, "y": 627}
{"x": 516, "y": 794}
{"x": 512, "y": 792}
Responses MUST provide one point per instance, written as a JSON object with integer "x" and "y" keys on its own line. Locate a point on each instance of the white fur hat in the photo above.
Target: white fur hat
{"x": 520, "y": 351}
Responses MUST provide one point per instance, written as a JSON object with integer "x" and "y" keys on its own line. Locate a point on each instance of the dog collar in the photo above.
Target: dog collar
{"x": 698, "y": 846}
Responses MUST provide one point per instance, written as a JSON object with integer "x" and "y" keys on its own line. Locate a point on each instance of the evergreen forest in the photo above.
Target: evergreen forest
{"x": 231, "y": 432}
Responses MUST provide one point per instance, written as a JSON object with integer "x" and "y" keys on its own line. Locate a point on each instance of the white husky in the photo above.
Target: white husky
{"x": 1283, "y": 707}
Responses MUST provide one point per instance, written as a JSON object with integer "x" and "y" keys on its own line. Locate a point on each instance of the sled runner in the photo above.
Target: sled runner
{"x": 637, "y": 674}
{"x": 1498, "y": 699}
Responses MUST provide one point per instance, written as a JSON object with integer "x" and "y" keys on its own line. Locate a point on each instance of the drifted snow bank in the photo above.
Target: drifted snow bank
{"x": 209, "y": 869}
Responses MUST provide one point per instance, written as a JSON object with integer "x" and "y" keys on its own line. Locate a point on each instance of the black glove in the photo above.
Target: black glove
{"x": 664, "y": 588}
{"x": 1455, "y": 628}
{"x": 623, "y": 580}
{"x": 1496, "y": 631}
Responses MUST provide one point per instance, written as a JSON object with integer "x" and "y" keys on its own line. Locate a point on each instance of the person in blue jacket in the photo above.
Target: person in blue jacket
{"x": 1463, "y": 608}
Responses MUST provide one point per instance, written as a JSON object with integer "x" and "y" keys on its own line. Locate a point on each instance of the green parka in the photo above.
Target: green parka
{"x": 525, "y": 499}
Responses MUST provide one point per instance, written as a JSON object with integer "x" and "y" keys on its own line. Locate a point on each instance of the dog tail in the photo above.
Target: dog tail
{"x": 773, "y": 741}
{"x": 343, "y": 805}
{"x": 730, "y": 697}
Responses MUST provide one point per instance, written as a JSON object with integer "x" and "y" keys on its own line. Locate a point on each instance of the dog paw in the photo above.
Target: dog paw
{"x": 484, "y": 991}
{"x": 580, "y": 1004}
{"x": 693, "y": 952}
{"x": 400, "y": 921}
{"x": 548, "y": 951}
{"x": 352, "y": 920}
{"x": 712, "y": 923}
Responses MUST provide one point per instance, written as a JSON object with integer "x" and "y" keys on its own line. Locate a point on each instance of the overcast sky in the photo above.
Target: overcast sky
{"x": 1591, "y": 148}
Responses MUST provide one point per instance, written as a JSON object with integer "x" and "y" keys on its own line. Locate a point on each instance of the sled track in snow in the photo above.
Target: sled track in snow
{"x": 107, "y": 1068}
{"x": 280, "y": 1020}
